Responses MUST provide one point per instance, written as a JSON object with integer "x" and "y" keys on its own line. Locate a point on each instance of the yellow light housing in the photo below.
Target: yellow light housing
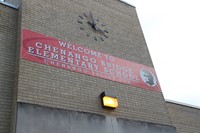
{"x": 109, "y": 100}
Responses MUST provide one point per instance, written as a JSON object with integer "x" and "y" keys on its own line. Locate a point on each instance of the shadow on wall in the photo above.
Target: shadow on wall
{"x": 38, "y": 119}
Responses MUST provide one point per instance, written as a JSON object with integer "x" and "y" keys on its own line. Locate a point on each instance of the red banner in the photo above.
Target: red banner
{"x": 69, "y": 56}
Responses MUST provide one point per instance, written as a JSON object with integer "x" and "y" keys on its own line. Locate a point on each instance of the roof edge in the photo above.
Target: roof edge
{"x": 9, "y": 5}
{"x": 126, "y": 3}
{"x": 183, "y": 104}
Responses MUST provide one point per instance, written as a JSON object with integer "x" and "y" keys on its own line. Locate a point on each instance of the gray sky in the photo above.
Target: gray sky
{"x": 172, "y": 29}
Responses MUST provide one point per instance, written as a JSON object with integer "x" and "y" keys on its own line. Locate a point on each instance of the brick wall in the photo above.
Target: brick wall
{"x": 53, "y": 87}
{"x": 186, "y": 119}
{"x": 8, "y": 36}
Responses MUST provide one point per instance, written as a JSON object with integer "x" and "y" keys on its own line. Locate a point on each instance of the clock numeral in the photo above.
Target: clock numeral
{"x": 106, "y": 31}
{"x": 80, "y": 22}
{"x": 95, "y": 38}
{"x": 80, "y": 17}
{"x": 85, "y": 15}
{"x": 101, "y": 39}
{"x": 103, "y": 25}
{"x": 106, "y": 36}
{"x": 82, "y": 28}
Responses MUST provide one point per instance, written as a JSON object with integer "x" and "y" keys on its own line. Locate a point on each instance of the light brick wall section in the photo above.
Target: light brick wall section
{"x": 8, "y": 32}
{"x": 186, "y": 119}
{"x": 59, "y": 19}
{"x": 44, "y": 85}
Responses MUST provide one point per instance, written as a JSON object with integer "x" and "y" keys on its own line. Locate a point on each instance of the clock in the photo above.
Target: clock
{"x": 99, "y": 30}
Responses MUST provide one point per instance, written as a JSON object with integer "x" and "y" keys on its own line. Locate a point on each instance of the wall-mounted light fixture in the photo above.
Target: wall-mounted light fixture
{"x": 109, "y": 100}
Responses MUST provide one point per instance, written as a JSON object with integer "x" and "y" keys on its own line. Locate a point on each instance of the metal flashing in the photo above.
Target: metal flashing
{"x": 126, "y": 3}
{"x": 9, "y": 5}
{"x": 183, "y": 104}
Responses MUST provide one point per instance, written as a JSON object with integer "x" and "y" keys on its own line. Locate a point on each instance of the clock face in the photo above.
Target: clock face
{"x": 88, "y": 21}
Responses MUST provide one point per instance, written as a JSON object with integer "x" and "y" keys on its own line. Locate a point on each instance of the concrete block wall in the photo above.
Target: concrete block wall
{"x": 186, "y": 119}
{"x": 8, "y": 40}
{"x": 53, "y": 87}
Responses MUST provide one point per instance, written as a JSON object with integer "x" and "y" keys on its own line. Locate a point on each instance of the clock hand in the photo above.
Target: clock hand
{"x": 93, "y": 26}
{"x": 90, "y": 23}
{"x": 92, "y": 18}
{"x": 93, "y": 21}
{"x": 100, "y": 31}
